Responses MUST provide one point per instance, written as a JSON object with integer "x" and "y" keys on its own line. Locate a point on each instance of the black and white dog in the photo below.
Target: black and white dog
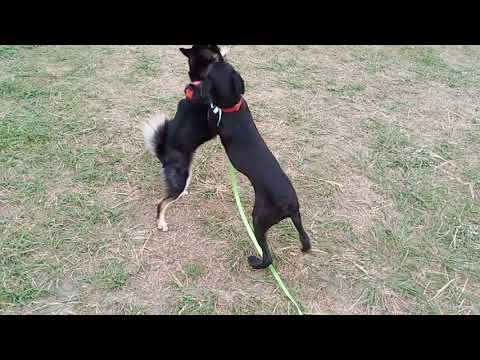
{"x": 229, "y": 115}
{"x": 174, "y": 141}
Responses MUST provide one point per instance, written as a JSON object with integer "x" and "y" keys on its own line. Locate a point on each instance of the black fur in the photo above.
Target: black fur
{"x": 175, "y": 142}
{"x": 199, "y": 58}
{"x": 275, "y": 197}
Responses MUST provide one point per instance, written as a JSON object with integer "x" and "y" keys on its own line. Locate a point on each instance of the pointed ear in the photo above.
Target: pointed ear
{"x": 217, "y": 52}
{"x": 186, "y": 52}
{"x": 224, "y": 50}
{"x": 238, "y": 83}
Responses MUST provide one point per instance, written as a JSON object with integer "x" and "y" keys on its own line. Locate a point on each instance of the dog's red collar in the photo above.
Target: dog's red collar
{"x": 189, "y": 95}
{"x": 220, "y": 111}
{"x": 234, "y": 108}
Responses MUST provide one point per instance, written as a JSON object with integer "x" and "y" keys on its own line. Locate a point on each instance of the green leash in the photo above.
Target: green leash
{"x": 254, "y": 240}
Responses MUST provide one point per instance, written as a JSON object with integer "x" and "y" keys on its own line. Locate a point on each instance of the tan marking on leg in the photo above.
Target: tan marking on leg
{"x": 189, "y": 178}
{"x": 162, "y": 224}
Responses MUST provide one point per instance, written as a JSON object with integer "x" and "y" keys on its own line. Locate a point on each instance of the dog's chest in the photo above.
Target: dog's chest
{"x": 225, "y": 132}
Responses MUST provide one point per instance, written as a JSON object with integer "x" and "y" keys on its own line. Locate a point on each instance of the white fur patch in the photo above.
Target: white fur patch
{"x": 162, "y": 225}
{"x": 224, "y": 50}
{"x": 156, "y": 122}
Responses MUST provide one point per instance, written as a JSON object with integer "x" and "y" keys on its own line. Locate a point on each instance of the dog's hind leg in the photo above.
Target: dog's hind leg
{"x": 161, "y": 208}
{"x": 304, "y": 239}
{"x": 262, "y": 221}
{"x": 185, "y": 192}
{"x": 176, "y": 182}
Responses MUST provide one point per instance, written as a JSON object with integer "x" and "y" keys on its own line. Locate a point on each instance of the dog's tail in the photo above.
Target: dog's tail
{"x": 154, "y": 132}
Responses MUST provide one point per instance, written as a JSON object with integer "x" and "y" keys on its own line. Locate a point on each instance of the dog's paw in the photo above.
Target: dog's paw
{"x": 162, "y": 226}
{"x": 256, "y": 263}
{"x": 306, "y": 248}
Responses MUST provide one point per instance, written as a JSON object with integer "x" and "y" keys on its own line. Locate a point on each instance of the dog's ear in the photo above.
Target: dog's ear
{"x": 238, "y": 83}
{"x": 224, "y": 50}
{"x": 214, "y": 48}
{"x": 216, "y": 51}
{"x": 186, "y": 52}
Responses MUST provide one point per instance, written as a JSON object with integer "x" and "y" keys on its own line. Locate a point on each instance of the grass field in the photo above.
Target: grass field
{"x": 381, "y": 143}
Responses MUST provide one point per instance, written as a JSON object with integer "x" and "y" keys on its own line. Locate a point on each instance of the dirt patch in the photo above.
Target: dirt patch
{"x": 357, "y": 202}
{"x": 58, "y": 69}
{"x": 162, "y": 281}
{"x": 63, "y": 300}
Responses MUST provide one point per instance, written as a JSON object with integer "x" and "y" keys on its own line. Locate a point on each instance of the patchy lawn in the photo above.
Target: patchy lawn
{"x": 381, "y": 143}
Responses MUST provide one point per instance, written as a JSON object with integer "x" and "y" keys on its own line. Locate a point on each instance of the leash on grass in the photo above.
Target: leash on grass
{"x": 254, "y": 240}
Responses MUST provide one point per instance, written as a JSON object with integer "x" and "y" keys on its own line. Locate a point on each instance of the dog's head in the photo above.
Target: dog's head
{"x": 223, "y": 86}
{"x": 200, "y": 57}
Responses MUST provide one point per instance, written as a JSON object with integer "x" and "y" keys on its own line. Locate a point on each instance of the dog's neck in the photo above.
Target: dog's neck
{"x": 235, "y": 107}
{"x": 219, "y": 111}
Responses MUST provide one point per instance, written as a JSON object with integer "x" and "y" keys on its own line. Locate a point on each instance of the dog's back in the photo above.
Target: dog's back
{"x": 241, "y": 139}
{"x": 189, "y": 128}
{"x": 246, "y": 149}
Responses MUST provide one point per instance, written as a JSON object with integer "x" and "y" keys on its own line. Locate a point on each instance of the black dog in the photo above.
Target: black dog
{"x": 174, "y": 142}
{"x": 275, "y": 197}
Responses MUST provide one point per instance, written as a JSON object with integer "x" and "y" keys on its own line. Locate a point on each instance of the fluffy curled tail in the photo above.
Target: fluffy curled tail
{"x": 153, "y": 132}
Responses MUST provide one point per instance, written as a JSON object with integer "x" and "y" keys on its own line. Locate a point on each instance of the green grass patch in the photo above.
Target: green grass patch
{"x": 194, "y": 270}
{"x": 346, "y": 90}
{"x": 112, "y": 276}
{"x": 433, "y": 227}
{"x": 196, "y": 305}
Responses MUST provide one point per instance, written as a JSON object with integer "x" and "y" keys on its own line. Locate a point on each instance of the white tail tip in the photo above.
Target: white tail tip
{"x": 154, "y": 123}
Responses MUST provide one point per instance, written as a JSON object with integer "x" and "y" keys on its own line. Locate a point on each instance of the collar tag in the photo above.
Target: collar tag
{"x": 217, "y": 110}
